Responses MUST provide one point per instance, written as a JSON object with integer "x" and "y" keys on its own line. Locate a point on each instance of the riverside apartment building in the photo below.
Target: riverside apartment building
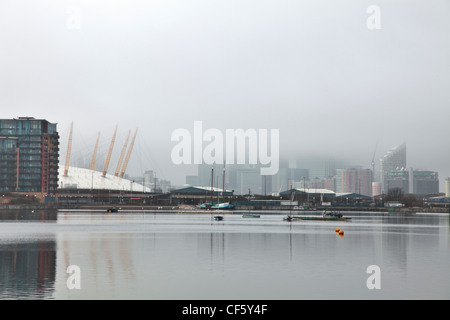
{"x": 29, "y": 156}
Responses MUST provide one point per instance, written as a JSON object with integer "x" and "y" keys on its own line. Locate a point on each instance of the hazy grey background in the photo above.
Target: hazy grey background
{"x": 309, "y": 68}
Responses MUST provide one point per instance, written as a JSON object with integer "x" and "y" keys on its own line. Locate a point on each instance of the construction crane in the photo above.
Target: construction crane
{"x": 280, "y": 189}
{"x": 95, "y": 153}
{"x": 69, "y": 149}
{"x": 122, "y": 154}
{"x": 108, "y": 158}
{"x": 125, "y": 164}
{"x": 373, "y": 162}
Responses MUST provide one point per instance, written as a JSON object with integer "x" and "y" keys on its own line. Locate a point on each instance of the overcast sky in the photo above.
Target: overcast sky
{"x": 312, "y": 69}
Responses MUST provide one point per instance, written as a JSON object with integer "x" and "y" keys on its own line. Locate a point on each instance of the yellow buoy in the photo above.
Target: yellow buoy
{"x": 341, "y": 232}
{"x": 337, "y": 230}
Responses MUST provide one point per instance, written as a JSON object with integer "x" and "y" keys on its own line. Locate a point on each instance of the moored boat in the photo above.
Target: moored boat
{"x": 250, "y": 215}
{"x": 332, "y": 214}
{"x": 324, "y": 218}
{"x": 223, "y": 205}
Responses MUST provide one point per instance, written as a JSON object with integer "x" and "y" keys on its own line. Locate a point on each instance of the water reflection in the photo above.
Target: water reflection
{"x": 27, "y": 264}
{"x": 170, "y": 256}
{"x": 47, "y": 215}
{"x": 27, "y": 269}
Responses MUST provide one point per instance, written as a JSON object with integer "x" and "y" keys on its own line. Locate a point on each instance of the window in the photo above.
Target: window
{"x": 35, "y": 127}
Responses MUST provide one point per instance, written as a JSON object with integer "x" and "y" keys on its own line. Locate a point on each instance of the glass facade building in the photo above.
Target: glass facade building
{"x": 29, "y": 156}
{"x": 394, "y": 159}
{"x": 411, "y": 181}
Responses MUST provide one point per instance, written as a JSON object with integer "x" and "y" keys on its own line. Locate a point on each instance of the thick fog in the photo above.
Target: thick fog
{"x": 345, "y": 79}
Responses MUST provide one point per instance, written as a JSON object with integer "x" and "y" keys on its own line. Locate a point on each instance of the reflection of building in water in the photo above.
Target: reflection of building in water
{"x": 106, "y": 261}
{"x": 27, "y": 269}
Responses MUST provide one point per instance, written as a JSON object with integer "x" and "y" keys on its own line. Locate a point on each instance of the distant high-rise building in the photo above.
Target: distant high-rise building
{"x": 328, "y": 183}
{"x": 192, "y": 181}
{"x": 249, "y": 181}
{"x": 206, "y": 175}
{"x": 149, "y": 178}
{"x": 354, "y": 181}
{"x": 425, "y": 182}
{"x": 413, "y": 181}
{"x": 29, "y": 156}
{"x": 239, "y": 178}
{"x": 394, "y": 159}
{"x": 447, "y": 188}
{"x": 286, "y": 178}
{"x": 376, "y": 189}
{"x": 345, "y": 180}
{"x": 318, "y": 166}
{"x": 397, "y": 179}
{"x": 365, "y": 179}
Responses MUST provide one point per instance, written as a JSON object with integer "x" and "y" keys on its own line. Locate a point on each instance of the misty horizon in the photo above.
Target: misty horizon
{"x": 82, "y": 158}
{"x": 314, "y": 70}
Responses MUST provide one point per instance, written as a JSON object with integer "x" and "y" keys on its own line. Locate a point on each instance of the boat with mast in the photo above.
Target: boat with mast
{"x": 224, "y": 205}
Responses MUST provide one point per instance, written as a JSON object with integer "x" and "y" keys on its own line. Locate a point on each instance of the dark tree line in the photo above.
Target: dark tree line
{"x": 397, "y": 194}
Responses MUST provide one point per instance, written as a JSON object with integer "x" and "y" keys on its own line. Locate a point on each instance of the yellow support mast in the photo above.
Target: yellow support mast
{"x": 122, "y": 154}
{"x": 69, "y": 150}
{"x": 94, "y": 156}
{"x": 128, "y": 155}
{"x": 108, "y": 158}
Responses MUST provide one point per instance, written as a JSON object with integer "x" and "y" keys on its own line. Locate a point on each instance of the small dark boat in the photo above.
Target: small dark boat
{"x": 288, "y": 218}
{"x": 327, "y": 216}
{"x": 324, "y": 218}
{"x": 218, "y": 218}
{"x": 112, "y": 210}
{"x": 332, "y": 214}
{"x": 250, "y": 215}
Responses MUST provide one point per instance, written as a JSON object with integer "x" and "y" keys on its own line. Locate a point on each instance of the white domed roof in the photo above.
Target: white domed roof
{"x": 80, "y": 178}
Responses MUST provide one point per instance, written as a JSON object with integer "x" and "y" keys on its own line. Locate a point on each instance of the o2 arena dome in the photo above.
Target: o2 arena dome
{"x": 70, "y": 177}
{"x": 81, "y": 178}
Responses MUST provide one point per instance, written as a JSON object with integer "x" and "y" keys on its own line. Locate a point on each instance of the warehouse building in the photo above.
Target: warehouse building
{"x": 201, "y": 191}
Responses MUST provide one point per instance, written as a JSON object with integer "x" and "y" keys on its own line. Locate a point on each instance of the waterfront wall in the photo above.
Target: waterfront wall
{"x": 186, "y": 208}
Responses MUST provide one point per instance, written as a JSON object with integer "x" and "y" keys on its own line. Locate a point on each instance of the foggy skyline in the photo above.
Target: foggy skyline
{"x": 312, "y": 69}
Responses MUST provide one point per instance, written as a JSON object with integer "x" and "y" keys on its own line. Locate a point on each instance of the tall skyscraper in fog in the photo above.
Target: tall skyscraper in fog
{"x": 394, "y": 159}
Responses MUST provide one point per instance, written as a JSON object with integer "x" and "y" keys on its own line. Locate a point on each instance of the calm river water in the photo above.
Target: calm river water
{"x": 146, "y": 255}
